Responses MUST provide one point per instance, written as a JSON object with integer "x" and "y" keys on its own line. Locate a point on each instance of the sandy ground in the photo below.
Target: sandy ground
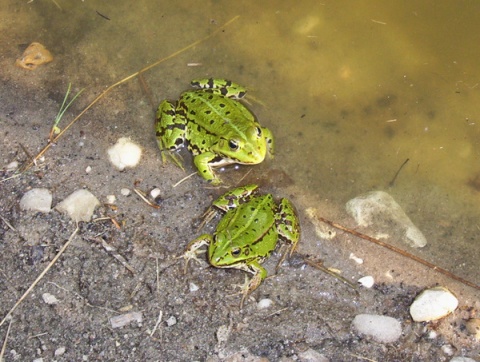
{"x": 311, "y": 313}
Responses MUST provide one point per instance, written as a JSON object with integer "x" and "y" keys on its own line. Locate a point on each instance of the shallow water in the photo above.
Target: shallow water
{"x": 351, "y": 91}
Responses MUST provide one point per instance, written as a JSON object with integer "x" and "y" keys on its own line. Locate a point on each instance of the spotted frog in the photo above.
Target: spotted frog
{"x": 217, "y": 128}
{"x": 247, "y": 233}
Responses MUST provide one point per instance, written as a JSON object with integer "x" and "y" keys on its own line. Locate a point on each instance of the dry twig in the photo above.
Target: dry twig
{"x": 42, "y": 274}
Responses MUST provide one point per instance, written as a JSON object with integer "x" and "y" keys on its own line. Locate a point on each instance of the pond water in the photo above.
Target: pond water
{"x": 351, "y": 91}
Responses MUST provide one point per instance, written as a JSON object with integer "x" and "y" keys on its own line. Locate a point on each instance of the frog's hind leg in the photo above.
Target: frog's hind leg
{"x": 259, "y": 274}
{"x": 287, "y": 222}
{"x": 170, "y": 132}
{"x": 224, "y": 87}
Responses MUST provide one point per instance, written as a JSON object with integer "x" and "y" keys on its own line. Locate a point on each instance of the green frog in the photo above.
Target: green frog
{"x": 247, "y": 233}
{"x": 217, "y": 128}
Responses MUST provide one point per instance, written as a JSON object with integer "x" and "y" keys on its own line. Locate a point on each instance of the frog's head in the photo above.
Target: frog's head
{"x": 248, "y": 146}
{"x": 223, "y": 252}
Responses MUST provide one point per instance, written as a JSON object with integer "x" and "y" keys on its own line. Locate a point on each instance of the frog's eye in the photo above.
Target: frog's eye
{"x": 236, "y": 252}
{"x": 259, "y": 132}
{"x": 233, "y": 145}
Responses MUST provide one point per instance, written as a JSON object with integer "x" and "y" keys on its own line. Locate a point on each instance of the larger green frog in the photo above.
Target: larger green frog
{"x": 247, "y": 233}
{"x": 218, "y": 129}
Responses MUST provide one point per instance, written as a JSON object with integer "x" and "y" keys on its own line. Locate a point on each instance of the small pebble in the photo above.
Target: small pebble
{"x": 60, "y": 351}
{"x": 433, "y": 304}
{"x": 381, "y": 328}
{"x": 12, "y": 166}
{"x": 49, "y": 298}
{"x": 462, "y": 359}
{"x": 111, "y": 199}
{"x": 367, "y": 281}
{"x": 124, "y": 154}
{"x": 310, "y": 355}
{"x": 155, "y": 193}
{"x": 79, "y": 205}
{"x": 355, "y": 258}
{"x": 171, "y": 321}
{"x": 88, "y": 169}
{"x": 193, "y": 287}
{"x": 223, "y": 332}
{"x": 125, "y": 319}
{"x": 125, "y": 191}
{"x": 37, "y": 200}
{"x": 264, "y": 303}
{"x": 447, "y": 349}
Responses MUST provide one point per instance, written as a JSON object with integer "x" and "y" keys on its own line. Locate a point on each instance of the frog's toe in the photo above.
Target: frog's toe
{"x": 191, "y": 254}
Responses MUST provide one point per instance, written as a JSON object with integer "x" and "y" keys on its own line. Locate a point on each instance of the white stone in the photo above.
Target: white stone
{"x": 111, "y": 199}
{"x": 37, "y": 200}
{"x": 355, "y": 258}
{"x": 124, "y": 153}
{"x": 12, "y": 166}
{"x": 88, "y": 169}
{"x": 367, "y": 281}
{"x": 462, "y": 359}
{"x": 433, "y": 304}
{"x": 125, "y": 191}
{"x": 310, "y": 355}
{"x": 264, "y": 303}
{"x": 193, "y": 287}
{"x": 49, "y": 298}
{"x": 60, "y": 351}
{"x": 171, "y": 321}
{"x": 381, "y": 328}
{"x": 79, "y": 205}
{"x": 155, "y": 193}
{"x": 380, "y": 210}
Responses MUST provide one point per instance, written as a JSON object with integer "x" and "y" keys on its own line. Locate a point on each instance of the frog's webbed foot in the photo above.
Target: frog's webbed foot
{"x": 207, "y": 217}
{"x": 248, "y": 287}
{"x": 192, "y": 250}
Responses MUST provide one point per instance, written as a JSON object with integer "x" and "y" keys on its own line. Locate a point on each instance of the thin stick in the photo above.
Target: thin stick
{"x": 106, "y": 91}
{"x": 4, "y": 346}
{"x": 401, "y": 252}
{"x": 42, "y": 274}
{"x": 391, "y": 183}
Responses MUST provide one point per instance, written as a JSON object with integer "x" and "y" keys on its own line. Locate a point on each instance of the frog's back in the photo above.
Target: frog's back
{"x": 253, "y": 224}
{"x": 215, "y": 114}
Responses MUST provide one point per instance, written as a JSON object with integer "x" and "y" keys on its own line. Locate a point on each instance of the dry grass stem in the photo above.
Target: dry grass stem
{"x": 42, "y": 274}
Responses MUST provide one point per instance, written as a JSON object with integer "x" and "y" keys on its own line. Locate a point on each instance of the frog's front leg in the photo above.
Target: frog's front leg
{"x": 227, "y": 201}
{"x": 259, "y": 274}
{"x": 235, "y": 197}
{"x": 287, "y": 222}
{"x": 170, "y": 132}
{"x": 192, "y": 251}
{"x": 202, "y": 161}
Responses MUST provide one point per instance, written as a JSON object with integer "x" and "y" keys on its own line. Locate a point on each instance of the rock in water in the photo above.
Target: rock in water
{"x": 379, "y": 209}
{"x": 433, "y": 304}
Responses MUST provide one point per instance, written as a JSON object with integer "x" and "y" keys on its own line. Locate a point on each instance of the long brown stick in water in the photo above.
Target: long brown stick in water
{"x": 400, "y": 251}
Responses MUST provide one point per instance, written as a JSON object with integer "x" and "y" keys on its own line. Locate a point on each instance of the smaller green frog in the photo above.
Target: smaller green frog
{"x": 247, "y": 233}
{"x": 217, "y": 128}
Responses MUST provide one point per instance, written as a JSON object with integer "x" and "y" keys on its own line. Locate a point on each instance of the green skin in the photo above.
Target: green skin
{"x": 218, "y": 129}
{"x": 247, "y": 233}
